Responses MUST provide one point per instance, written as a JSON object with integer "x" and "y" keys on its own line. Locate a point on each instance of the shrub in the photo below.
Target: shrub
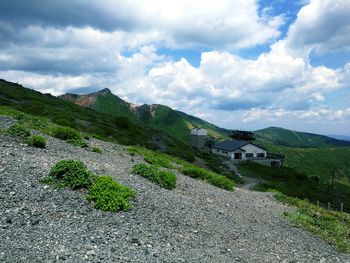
{"x": 109, "y": 195}
{"x": 96, "y": 150}
{"x": 164, "y": 179}
{"x": 72, "y": 174}
{"x": 37, "y": 141}
{"x": 65, "y": 133}
{"x": 78, "y": 143}
{"x": 212, "y": 178}
{"x": 18, "y": 130}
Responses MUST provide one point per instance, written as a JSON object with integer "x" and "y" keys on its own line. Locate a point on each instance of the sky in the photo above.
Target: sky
{"x": 238, "y": 64}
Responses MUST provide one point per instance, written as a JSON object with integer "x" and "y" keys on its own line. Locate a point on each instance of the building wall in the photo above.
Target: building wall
{"x": 222, "y": 153}
{"x": 249, "y": 148}
{"x": 252, "y": 149}
{"x": 199, "y": 132}
{"x": 198, "y": 141}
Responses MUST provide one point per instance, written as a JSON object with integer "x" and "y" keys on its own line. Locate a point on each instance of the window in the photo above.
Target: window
{"x": 260, "y": 155}
{"x": 249, "y": 155}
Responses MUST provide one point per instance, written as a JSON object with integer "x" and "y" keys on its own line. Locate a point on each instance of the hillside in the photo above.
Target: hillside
{"x": 175, "y": 123}
{"x": 284, "y": 137}
{"x": 115, "y": 127}
{"x": 195, "y": 222}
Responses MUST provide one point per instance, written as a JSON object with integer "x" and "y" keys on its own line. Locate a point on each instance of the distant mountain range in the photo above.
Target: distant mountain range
{"x": 179, "y": 124}
{"x": 340, "y": 137}
{"x": 280, "y": 136}
{"x": 173, "y": 122}
{"x": 133, "y": 124}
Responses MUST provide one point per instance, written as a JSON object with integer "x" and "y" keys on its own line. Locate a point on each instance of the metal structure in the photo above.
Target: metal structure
{"x": 243, "y": 136}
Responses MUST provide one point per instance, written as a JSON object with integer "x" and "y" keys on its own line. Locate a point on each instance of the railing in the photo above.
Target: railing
{"x": 274, "y": 156}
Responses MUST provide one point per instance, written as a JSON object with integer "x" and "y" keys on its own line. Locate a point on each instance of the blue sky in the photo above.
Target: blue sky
{"x": 238, "y": 64}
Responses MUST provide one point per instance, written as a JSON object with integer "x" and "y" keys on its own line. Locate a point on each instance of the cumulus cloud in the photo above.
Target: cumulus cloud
{"x": 64, "y": 46}
{"x": 322, "y": 25}
{"x": 182, "y": 23}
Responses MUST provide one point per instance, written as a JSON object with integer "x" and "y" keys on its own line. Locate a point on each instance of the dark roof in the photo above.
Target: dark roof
{"x": 231, "y": 145}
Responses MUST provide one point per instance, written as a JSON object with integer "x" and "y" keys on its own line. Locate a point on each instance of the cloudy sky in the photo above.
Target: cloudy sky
{"x": 239, "y": 64}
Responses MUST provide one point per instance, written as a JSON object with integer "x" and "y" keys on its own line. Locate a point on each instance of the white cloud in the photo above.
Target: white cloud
{"x": 322, "y": 25}
{"x": 181, "y": 23}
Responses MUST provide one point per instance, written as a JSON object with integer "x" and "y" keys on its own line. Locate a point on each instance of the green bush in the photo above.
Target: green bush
{"x": 164, "y": 179}
{"x": 109, "y": 195}
{"x": 18, "y": 130}
{"x": 37, "y": 141}
{"x": 210, "y": 177}
{"x": 65, "y": 133}
{"x": 96, "y": 150}
{"x": 78, "y": 143}
{"x": 72, "y": 174}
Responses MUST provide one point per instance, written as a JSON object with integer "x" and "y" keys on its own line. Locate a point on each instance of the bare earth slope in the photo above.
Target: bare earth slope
{"x": 196, "y": 222}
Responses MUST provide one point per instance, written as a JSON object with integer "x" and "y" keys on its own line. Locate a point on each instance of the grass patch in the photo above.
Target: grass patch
{"x": 332, "y": 226}
{"x": 65, "y": 133}
{"x": 154, "y": 158}
{"x": 164, "y": 179}
{"x": 210, "y": 177}
{"x": 96, "y": 150}
{"x": 37, "y": 141}
{"x": 70, "y": 174}
{"x": 171, "y": 162}
{"x": 109, "y": 195}
{"x": 106, "y": 193}
{"x": 78, "y": 143}
{"x": 18, "y": 130}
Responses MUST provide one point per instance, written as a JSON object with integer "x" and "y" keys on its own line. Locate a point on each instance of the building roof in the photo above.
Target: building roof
{"x": 232, "y": 145}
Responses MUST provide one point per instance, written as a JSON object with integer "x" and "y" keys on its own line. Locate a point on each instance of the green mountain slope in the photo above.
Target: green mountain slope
{"x": 280, "y": 136}
{"x": 175, "y": 123}
{"x": 112, "y": 126}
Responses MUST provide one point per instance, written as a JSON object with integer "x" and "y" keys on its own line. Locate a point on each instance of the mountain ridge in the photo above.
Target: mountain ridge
{"x": 158, "y": 116}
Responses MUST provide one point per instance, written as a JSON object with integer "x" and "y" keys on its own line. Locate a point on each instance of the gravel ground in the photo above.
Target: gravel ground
{"x": 196, "y": 222}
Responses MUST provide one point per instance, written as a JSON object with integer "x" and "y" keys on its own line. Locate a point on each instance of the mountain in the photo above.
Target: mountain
{"x": 280, "y": 136}
{"x": 340, "y": 137}
{"x": 173, "y": 122}
{"x": 117, "y": 127}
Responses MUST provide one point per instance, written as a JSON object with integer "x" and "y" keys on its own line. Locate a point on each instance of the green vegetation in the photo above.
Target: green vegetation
{"x": 109, "y": 195}
{"x": 34, "y": 106}
{"x": 164, "y": 179}
{"x": 171, "y": 162}
{"x": 210, "y": 177}
{"x": 37, "y": 141}
{"x": 70, "y": 174}
{"x": 78, "y": 143}
{"x": 332, "y": 226}
{"x": 96, "y": 150}
{"x": 159, "y": 117}
{"x": 296, "y": 184}
{"x": 284, "y": 137}
{"x": 65, "y": 133}
{"x": 106, "y": 193}
{"x": 18, "y": 130}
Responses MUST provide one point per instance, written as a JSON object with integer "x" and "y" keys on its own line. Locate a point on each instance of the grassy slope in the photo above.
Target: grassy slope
{"x": 315, "y": 161}
{"x": 84, "y": 119}
{"x": 284, "y": 137}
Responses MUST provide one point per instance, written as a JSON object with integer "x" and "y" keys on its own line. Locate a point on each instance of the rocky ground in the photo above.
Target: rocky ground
{"x": 196, "y": 222}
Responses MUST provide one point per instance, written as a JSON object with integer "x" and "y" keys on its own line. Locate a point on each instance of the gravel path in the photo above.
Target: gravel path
{"x": 196, "y": 222}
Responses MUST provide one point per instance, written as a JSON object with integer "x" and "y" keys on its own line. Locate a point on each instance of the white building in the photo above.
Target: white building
{"x": 199, "y": 132}
{"x": 239, "y": 150}
{"x": 199, "y": 137}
